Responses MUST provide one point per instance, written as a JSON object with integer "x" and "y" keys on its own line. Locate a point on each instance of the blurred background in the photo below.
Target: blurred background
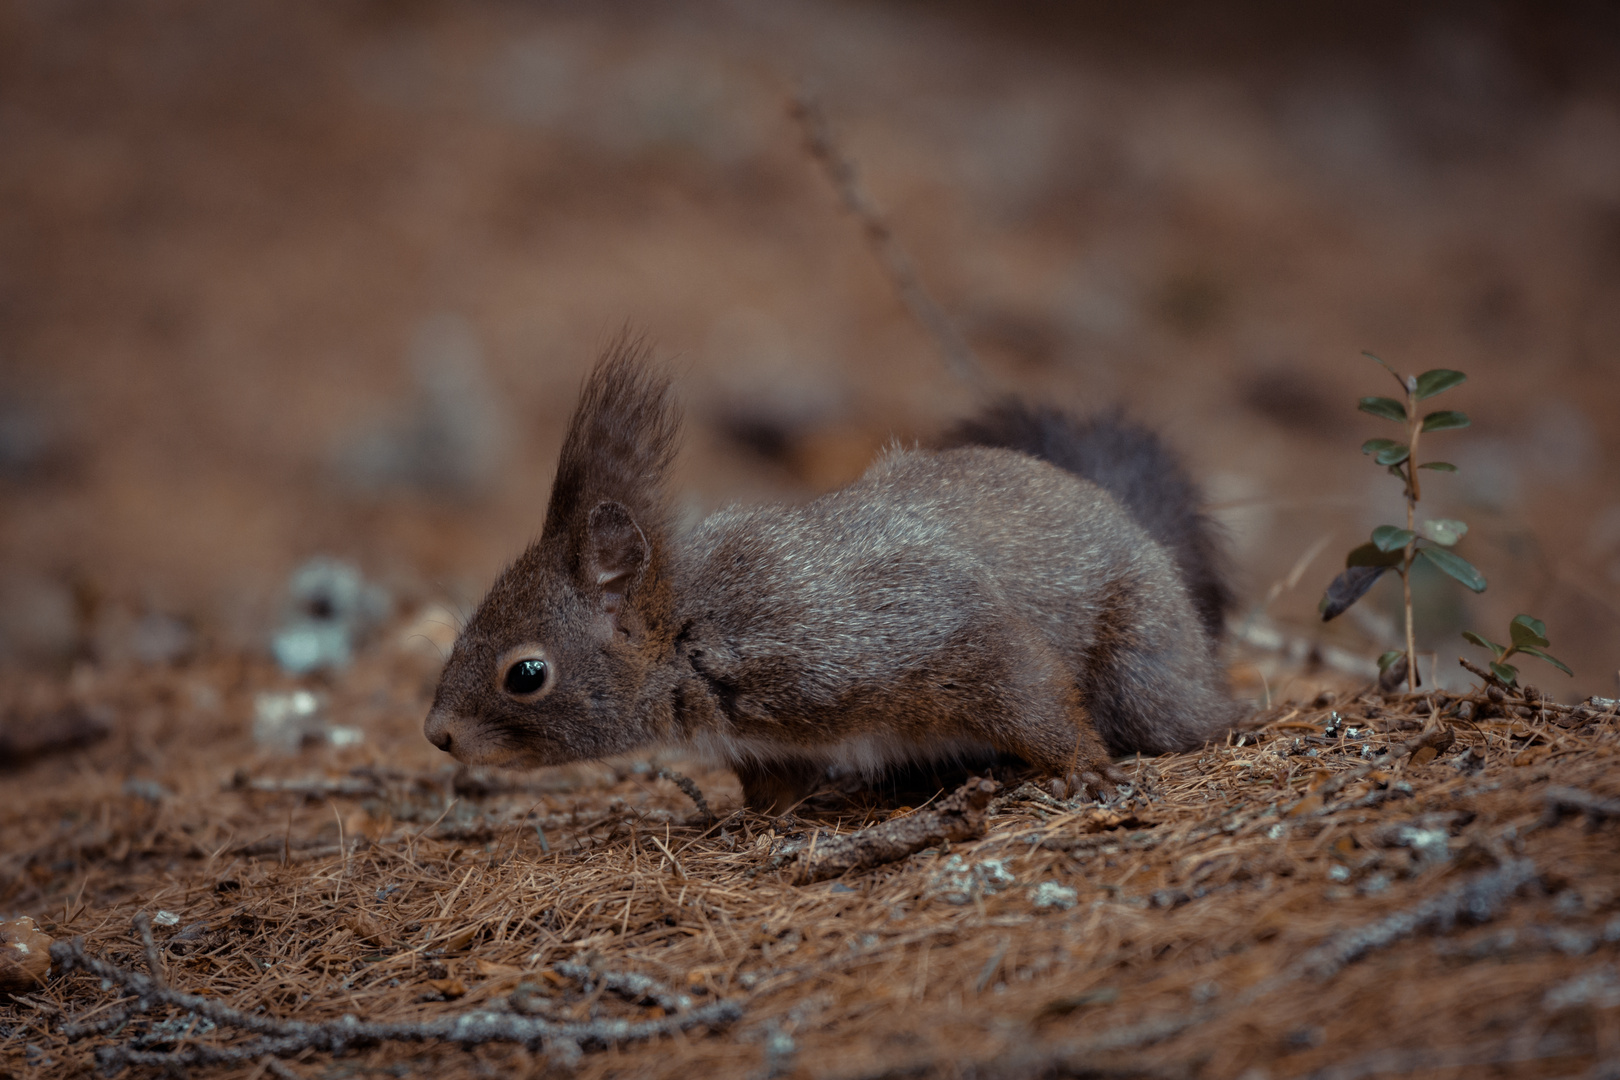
{"x": 280, "y": 282}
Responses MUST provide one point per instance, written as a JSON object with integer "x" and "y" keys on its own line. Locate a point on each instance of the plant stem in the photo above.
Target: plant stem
{"x": 1414, "y": 428}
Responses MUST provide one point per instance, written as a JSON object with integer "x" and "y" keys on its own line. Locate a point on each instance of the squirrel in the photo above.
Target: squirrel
{"x": 1039, "y": 586}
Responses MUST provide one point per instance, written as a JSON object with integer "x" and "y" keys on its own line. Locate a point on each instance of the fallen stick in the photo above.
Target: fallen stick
{"x": 1568, "y": 800}
{"x": 280, "y": 1038}
{"x": 149, "y": 946}
{"x": 958, "y": 816}
{"x": 24, "y": 740}
{"x": 316, "y": 787}
{"x": 1527, "y": 696}
{"x": 1475, "y": 900}
{"x": 631, "y": 984}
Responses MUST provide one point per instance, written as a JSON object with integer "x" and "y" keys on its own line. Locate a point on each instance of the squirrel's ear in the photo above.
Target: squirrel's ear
{"x": 616, "y": 552}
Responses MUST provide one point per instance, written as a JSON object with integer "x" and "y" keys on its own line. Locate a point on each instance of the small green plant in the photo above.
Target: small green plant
{"x": 1392, "y": 547}
{"x": 1529, "y": 636}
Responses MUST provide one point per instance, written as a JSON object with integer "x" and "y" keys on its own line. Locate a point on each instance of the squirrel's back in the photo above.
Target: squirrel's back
{"x": 930, "y": 555}
{"x": 1133, "y": 465}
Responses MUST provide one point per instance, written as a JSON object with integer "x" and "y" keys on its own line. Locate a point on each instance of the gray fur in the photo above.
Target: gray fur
{"x": 945, "y": 604}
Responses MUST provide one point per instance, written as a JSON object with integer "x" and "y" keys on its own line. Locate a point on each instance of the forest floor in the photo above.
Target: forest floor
{"x": 1356, "y": 885}
{"x": 280, "y": 282}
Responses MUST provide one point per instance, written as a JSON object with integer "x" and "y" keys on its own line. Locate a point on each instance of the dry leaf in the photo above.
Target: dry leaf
{"x": 1310, "y": 804}
{"x": 460, "y": 939}
{"x": 1423, "y": 755}
{"x": 1063, "y": 1006}
{"x": 451, "y": 988}
{"x": 362, "y": 823}
{"x": 1104, "y": 820}
{"x": 365, "y": 928}
{"x": 25, "y": 955}
{"x": 488, "y": 969}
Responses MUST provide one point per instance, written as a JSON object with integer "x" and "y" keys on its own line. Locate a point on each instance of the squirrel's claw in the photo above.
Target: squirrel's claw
{"x": 1115, "y": 773}
{"x": 1097, "y": 782}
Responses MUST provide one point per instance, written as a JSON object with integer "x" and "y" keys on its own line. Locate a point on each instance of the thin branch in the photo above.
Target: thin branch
{"x": 631, "y": 984}
{"x": 1568, "y": 800}
{"x": 1491, "y": 679}
{"x": 283, "y": 1037}
{"x": 953, "y": 347}
{"x": 312, "y": 788}
{"x": 1475, "y": 900}
{"x": 154, "y": 959}
{"x": 958, "y": 816}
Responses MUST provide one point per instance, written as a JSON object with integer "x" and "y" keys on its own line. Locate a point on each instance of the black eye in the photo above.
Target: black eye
{"x": 525, "y": 677}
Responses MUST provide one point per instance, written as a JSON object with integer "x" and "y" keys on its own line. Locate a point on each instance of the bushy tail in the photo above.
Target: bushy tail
{"x": 1131, "y": 463}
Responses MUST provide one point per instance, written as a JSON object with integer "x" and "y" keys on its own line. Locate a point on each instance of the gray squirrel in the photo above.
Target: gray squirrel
{"x": 1039, "y": 587}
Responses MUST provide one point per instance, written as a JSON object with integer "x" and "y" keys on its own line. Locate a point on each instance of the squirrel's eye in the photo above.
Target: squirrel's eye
{"x": 525, "y": 677}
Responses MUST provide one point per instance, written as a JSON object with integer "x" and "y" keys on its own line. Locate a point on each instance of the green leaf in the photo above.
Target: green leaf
{"x": 1554, "y": 661}
{"x": 1374, "y": 446}
{"x": 1347, "y": 588}
{"x": 1455, "y": 565}
{"x": 1389, "y": 658}
{"x": 1394, "y": 455}
{"x": 1389, "y": 538}
{"x": 1529, "y": 626}
{"x": 1523, "y": 638}
{"x": 1380, "y": 361}
{"x": 1437, "y": 381}
{"x": 1439, "y": 466}
{"x": 1485, "y": 643}
{"x": 1445, "y": 531}
{"x": 1506, "y": 672}
{"x": 1388, "y": 408}
{"x": 1445, "y": 420}
{"x": 1368, "y": 554}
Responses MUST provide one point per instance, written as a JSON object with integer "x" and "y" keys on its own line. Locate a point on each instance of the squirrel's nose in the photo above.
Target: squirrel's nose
{"x": 437, "y": 730}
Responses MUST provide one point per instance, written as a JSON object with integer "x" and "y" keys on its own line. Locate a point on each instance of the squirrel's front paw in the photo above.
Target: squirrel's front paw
{"x": 1093, "y": 780}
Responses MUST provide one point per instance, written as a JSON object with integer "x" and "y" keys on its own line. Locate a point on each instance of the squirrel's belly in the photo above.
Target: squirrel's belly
{"x": 868, "y": 754}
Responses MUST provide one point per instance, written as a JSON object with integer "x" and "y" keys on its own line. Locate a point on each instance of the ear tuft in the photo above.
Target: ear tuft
{"x": 616, "y": 551}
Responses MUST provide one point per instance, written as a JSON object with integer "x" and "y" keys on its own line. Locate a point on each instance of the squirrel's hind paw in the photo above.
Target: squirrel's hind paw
{"x": 1095, "y": 779}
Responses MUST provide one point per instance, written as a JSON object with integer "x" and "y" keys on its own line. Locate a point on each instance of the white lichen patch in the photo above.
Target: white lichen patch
{"x": 958, "y": 882}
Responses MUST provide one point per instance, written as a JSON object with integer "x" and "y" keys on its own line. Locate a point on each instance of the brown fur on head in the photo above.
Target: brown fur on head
{"x": 590, "y": 600}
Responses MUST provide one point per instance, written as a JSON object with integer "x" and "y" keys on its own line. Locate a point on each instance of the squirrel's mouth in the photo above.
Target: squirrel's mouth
{"x": 471, "y": 743}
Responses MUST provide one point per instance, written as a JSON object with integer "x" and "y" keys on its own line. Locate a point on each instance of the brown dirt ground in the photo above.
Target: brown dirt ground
{"x": 229, "y": 232}
{"x": 382, "y": 880}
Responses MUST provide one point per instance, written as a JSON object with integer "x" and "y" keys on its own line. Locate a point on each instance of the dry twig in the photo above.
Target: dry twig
{"x": 1476, "y": 900}
{"x": 1568, "y": 800}
{"x": 958, "y": 816}
{"x": 631, "y": 984}
{"x": 283, "y": 1037}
